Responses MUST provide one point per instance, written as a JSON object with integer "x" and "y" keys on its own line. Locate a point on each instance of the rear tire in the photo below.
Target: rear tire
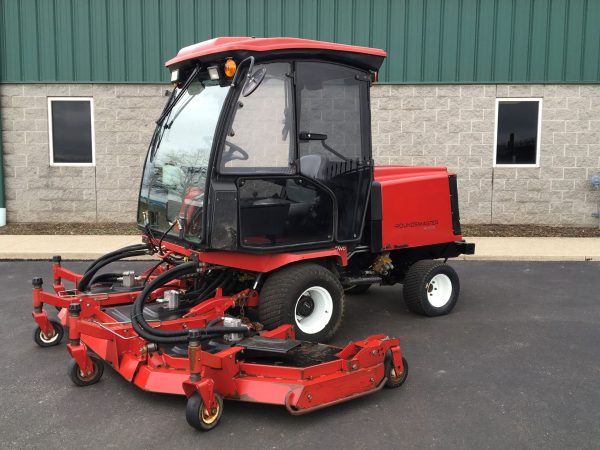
{"x": 305, "y": 295}
{"x": 357, "y": 289}
{"x": 431, "y": 288}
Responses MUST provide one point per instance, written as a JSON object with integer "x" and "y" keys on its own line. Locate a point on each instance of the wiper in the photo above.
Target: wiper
{"x": 153, "y": 141}
{"x": 169, "y": 124}
{"x": 173, "y": 99}
{"x": 172, "y": 104}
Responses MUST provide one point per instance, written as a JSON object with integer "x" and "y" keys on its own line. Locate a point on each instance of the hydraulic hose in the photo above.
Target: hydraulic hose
{"x": 176, "y": 336}
{"x": 87, "y": 277}
{"x": 129, "y": 248}
{"x": 105, "y": 278}
{"x": 205, "y": 292}
{"x": 156, "y": 266}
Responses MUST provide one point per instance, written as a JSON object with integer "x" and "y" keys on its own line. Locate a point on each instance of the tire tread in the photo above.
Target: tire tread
{"x": 274, "y": 296}
{"x": 413, "y": 285}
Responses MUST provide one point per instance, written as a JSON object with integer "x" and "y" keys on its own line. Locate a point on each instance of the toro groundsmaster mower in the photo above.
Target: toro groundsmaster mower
{"x": 262, "y": 204}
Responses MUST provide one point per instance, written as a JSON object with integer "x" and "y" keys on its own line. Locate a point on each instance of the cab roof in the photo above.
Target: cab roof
{"x": 266, "y": 48}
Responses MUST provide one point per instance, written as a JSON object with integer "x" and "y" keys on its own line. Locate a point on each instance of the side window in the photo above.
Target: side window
{"x": 333, "y": 133}
{"x": 330, "y": 105}
{"x": 518, "y": 123}
{"x": 261, "y": 137}
{"x": 71, "y": 129}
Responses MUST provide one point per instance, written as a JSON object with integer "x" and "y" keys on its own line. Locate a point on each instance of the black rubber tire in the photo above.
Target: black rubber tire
{"x": 394, "y": 382}
{"x": 283, "y": 288}
{"x": 416, "y": 284}
{"x": 55, "y": 340}
{"x": 358, "y": 289}
{"x": 79, "y": 380}
{"x": 193, "y": 413}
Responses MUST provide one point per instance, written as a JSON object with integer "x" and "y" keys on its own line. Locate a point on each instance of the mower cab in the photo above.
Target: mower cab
{"x": 262, "y": 150}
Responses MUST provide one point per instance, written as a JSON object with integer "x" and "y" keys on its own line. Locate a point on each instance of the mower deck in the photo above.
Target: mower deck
{"x": 266, "y": 367}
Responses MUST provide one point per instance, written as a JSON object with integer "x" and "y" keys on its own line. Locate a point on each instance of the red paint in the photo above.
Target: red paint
{"x": 416, "y": 206}
{"x": 231, "y": 44}
{"x": 357, "y": 370}
{"x": 262, "y": 262}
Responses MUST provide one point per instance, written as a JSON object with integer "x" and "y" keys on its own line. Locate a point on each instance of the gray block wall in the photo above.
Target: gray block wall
{"x": 449, "y": 125}
{"x": 124, "y": 117}
{"x": 454, "y": 126}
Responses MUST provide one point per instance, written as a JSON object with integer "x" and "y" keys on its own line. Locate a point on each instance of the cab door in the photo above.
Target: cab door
{"x": 334, "y": 136}
{"x": 257, "y": 172}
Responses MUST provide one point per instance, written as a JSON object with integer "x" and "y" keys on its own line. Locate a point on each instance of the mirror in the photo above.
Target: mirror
{"x": 253, "y": 81}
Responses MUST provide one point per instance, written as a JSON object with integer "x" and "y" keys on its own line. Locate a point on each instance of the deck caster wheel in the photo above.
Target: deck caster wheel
{"x": 198, "y": 416}
{"x": 431, "y": 288}
{"x": 49, "y": 341}
{"x": 394, "y": 380}
{"x": 79, "y": 379}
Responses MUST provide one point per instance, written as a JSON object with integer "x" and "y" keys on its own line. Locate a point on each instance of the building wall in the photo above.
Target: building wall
{"x": 434, "y": 41}
{"x": 449, "y": 125}
{"x": 454, "y": 126}
{"x": 36, "y": 192}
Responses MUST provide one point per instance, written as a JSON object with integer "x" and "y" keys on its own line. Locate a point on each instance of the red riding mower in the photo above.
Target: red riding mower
{"x": 262, "y": 203}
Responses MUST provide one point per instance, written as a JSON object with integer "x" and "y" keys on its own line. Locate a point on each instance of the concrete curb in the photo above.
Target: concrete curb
{"x": 534, "y": 249}
{"x": 43, "y": 247}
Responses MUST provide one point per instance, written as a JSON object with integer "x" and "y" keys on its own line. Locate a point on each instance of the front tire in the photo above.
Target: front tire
{"x": 305, "y": 295}
{"x": 431, "y": 288}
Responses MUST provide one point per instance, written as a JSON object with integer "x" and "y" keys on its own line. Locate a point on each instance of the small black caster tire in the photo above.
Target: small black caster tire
{"x": 79, "y": 379}
{"x": 358, "y": 289}
{"x": 44, "y": 341}
{"x": 199, "y": 417}
{"x": 394, "y": 380}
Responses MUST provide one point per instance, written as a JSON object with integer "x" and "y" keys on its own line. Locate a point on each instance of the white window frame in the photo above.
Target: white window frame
{"x": 51, "y": 143}
{"x": 539, "y": 130}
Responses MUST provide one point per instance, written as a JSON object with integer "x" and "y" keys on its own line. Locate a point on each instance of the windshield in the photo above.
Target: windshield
{"x": 176, "y": 167}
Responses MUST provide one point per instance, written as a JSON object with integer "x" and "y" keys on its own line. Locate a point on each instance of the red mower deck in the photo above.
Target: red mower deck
{"x": 258, "y": 366}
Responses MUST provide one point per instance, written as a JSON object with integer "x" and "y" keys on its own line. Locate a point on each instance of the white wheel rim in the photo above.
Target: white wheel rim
{"x": 439, "y": 290}
{"x": 48, "y": 340}
{"x": 321, "y": 312}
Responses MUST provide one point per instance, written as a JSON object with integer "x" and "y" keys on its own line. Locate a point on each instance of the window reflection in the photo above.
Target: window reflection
{"x": 517, "y": 132}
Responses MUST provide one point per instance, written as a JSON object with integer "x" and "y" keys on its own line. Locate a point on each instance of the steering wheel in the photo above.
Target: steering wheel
{"x": 233, "y": 152}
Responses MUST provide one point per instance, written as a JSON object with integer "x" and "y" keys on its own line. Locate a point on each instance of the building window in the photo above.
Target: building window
{"x": 71, "y": 129}
{"x": 518, "y": 125}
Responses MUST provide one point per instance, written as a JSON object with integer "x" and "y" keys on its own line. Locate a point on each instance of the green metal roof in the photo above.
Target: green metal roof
{"x": 428, "y": 41}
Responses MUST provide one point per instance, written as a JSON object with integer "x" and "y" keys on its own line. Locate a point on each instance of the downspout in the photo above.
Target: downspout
{"x": 2, "y": 197}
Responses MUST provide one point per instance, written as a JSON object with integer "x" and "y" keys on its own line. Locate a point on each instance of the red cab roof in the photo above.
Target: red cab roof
{"x": 249, "y": 44}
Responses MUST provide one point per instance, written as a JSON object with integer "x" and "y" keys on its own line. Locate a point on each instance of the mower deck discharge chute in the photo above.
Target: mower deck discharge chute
{"x": 262, "y": 203}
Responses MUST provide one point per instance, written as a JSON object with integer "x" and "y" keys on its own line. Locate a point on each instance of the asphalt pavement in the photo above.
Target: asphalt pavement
{"x": 516, "y": 365}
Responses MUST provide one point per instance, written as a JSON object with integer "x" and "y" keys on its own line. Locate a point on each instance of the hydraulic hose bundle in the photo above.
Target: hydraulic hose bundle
{"x": 89, "y": 278}
{"x": 122, "y": 253}
{"x": 152, "y": 334}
